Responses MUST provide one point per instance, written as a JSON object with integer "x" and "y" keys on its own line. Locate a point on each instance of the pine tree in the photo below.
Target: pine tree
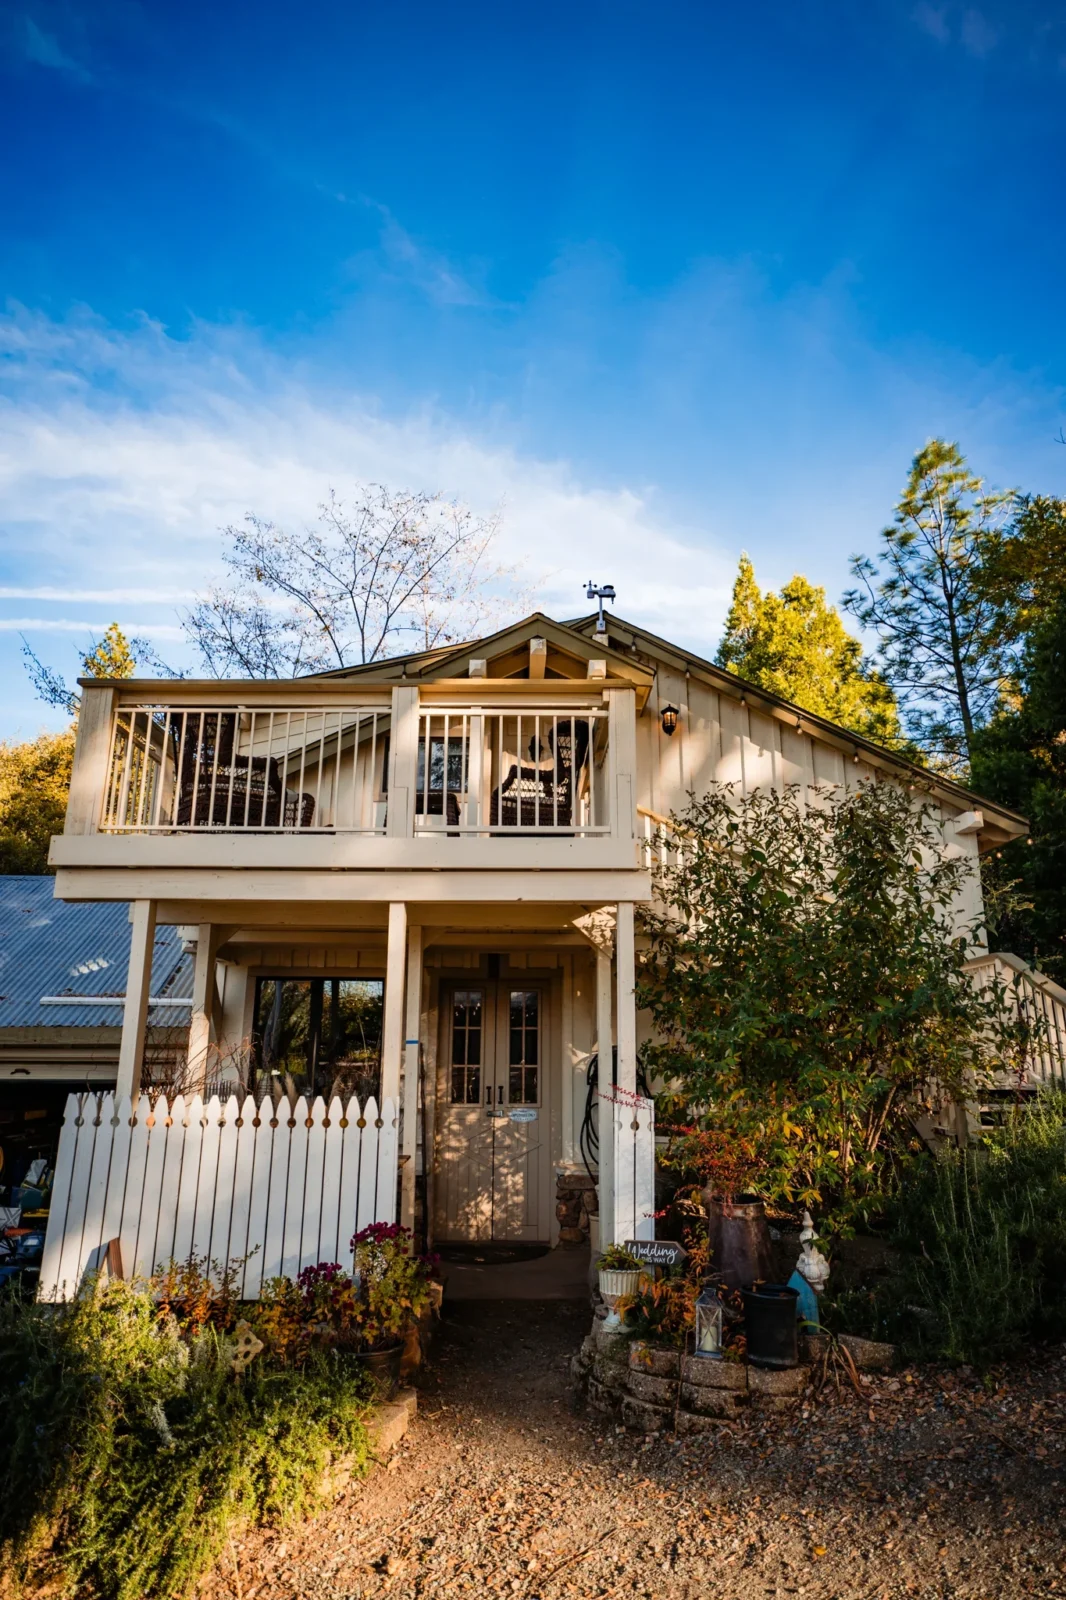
{"x": 945, "y": 644}
{"x": 796, "y": 646}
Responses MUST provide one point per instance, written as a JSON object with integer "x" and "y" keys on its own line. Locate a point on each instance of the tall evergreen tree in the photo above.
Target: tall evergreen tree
{"x": 796, "y": 646}
{"x": 945, "y": 644}
{"x": 1020, "y": 757}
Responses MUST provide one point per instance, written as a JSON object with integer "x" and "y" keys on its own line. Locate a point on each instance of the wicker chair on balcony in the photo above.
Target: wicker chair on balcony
{"x": 217, "y": 789}
{"x": 540, "y": 792}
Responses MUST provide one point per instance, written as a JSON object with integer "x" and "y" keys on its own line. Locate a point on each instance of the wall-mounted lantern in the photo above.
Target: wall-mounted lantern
{"x": 669, "y": 718}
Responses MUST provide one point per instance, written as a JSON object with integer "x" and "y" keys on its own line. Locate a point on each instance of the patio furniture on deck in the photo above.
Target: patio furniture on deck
{"x": 217, "y": 789}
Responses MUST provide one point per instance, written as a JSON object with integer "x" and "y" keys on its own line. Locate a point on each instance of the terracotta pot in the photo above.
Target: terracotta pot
{"x": 739, "y": 1237}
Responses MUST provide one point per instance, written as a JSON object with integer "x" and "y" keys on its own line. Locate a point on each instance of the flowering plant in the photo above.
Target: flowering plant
{"x": 392, "y": 1282}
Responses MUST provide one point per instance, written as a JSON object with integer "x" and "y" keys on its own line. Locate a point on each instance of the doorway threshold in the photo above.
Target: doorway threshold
{"x": 559, "y": 1274}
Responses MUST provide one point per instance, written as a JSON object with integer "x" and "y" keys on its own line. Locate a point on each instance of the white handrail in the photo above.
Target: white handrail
{"x": 236, "y": 768}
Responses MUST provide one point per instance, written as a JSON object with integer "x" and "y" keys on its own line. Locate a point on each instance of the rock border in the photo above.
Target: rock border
{"x": 655, "y": 1388}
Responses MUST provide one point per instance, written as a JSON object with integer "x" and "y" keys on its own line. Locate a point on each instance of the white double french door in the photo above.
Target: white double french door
{"x": 493, "y": 1163}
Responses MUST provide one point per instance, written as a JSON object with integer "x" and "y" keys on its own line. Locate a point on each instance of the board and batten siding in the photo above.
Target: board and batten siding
{"x": 719, "y": 740}
{"x": 275, "y": 1189}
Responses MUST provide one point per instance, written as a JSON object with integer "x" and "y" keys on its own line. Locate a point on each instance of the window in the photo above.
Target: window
{"x": 524, "y": 1057}
{"x": 324, "y": 1033}
{"x": 466, "y": 1047}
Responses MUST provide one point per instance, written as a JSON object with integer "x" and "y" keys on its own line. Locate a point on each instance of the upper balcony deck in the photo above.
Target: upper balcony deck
{"x": 461, "y": 774}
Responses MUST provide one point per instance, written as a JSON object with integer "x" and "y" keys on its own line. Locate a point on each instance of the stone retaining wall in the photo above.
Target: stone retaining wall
{"x": 651, "y": 1387}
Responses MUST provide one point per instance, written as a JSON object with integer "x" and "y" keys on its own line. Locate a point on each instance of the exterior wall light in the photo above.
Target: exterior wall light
{"x": 669, "y": 720}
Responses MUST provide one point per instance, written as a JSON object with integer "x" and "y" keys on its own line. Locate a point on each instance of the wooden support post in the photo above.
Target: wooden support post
{"x": 403, "y": 763}
{"x": 605, "y": 1112}
{"x": 392, "y": 1023}
{"x": 92, "y": 750}
{"x": 570, "y": 1157}
{"x": 625, "y": 1003}
{"x": 203, "y": 995}
{"x": 622, "y": 761}
{"x": 412, "y": 1038}
{"x": 138, "y": 990}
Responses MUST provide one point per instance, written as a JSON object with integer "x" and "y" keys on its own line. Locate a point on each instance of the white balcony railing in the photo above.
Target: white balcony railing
{"x": 521, "y": 769}
{"x": 228, "y": 768}
{"x": 536, "y": 770}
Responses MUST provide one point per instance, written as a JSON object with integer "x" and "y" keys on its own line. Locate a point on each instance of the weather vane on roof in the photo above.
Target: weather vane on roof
{"x": 600, "y": 592}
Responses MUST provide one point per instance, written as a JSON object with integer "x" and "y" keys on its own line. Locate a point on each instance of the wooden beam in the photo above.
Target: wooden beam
{"x": 538, "y": 657}
{"x": 588, "y": 889}
{"x": 343, "y": 852}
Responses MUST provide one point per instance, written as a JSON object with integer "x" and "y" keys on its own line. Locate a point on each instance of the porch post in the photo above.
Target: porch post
{"x": 138, "y": 988}
{"x": 412, "y": 1035}
{"x": 392, "y": 1022}
{"x": 203, "y": 982}
{"x": 605, "y": 1114}
{"x": 626, "y": 963}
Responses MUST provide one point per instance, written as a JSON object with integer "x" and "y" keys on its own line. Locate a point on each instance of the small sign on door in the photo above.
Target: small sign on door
{"x": 523, "y": 1113}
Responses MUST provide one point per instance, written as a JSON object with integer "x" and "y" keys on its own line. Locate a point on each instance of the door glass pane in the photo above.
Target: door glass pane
{"x": 466, "y": 1047}
{"x": 524, "y": 1056}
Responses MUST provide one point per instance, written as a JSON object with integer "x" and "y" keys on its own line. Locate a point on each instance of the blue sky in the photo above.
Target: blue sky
{"x": 663, "y": 281}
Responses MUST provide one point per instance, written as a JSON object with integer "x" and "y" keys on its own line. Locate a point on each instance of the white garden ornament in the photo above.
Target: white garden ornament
{"x": 812, "y": 1264}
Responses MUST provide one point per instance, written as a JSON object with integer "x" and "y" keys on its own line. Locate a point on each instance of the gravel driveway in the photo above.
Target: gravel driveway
{"x": 931, "y": 1484}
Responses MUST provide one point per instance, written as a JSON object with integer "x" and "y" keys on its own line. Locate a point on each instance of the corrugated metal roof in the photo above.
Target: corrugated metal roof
{"x": 52, "y": 947}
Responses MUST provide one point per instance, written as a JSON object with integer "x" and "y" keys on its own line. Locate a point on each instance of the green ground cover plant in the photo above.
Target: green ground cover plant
{"x": 136, "y": 1441}
{"x": 982, "y": 1234}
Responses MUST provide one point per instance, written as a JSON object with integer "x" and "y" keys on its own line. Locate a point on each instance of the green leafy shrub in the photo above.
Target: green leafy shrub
{"x": 984, "y": 1240}
{"x": 809, "y": 989}
{"x": 131, "y": 1452}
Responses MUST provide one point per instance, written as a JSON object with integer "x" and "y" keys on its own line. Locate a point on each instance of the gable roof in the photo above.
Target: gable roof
{"x": 630, "y": 637}
{"x": 504, "y": 649}
{"x": 57, "y": 947}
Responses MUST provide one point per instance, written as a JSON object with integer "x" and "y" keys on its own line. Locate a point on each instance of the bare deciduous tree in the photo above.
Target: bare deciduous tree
{"x": 384, "y": 571}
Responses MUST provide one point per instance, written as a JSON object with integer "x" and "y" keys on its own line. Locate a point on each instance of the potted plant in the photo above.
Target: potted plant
{"x": 728, "y": 1168}
{"x": 619, "y": 1279}
{"x": 361, "y": 1318}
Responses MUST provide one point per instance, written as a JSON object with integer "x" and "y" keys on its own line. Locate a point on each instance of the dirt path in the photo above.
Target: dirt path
{"x": 929, "y": 1487}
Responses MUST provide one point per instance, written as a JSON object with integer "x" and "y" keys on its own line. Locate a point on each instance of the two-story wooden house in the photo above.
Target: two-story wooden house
{"x": 467, "y": 827}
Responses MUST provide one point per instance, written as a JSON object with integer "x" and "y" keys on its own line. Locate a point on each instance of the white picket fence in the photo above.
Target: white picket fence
{"x": 284, "y": 1187}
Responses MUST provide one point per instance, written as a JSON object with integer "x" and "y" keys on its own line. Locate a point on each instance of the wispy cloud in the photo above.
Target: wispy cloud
{"x": 155, "y": 630}
{"x": 933, "y": 20}
{"x": 133, "y": 477}
{"x": 977, "y": 33}
{"x": 118, "y": 597}
{"x": 972, "y": 29}
{"x": 41, "y": 48}
{"x": 427, "y": 269}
